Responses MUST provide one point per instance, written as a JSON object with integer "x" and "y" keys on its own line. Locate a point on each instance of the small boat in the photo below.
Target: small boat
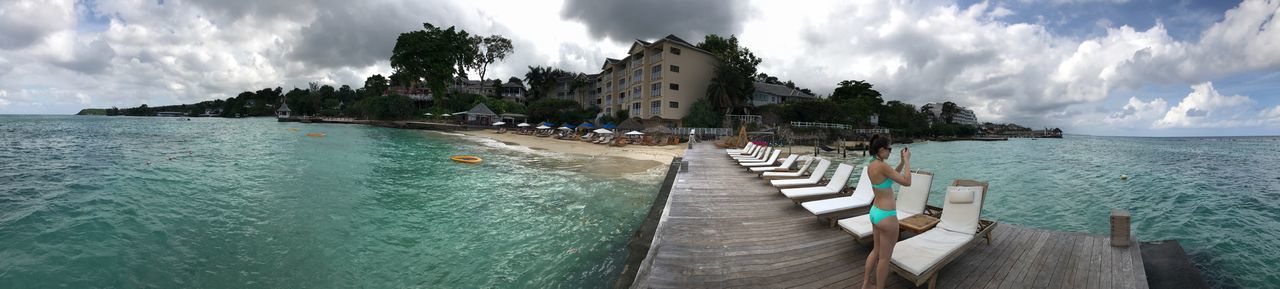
{"x": 466, "y": 159}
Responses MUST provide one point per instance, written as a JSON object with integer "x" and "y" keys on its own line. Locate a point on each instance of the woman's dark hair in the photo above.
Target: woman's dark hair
{"x": 876, "y": 143}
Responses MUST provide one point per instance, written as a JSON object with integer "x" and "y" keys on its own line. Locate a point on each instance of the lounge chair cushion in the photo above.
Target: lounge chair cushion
{"x": 861, "y": 225}
{"x": 961, "y": 217}
{"x": 919, "y": 253}
{"x": 960, "y": 195}
{"x": 861, "y": 197}
{"x": 913, "y": 199}
{"x": 794, "y": 182}
{"x": 808, "y": 192}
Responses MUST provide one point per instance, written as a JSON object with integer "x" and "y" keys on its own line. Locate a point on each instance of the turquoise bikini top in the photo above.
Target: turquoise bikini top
{"x": 887, "y": 184}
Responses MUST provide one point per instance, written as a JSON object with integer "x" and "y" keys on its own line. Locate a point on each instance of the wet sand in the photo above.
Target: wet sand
{"x": 604, "y": 159}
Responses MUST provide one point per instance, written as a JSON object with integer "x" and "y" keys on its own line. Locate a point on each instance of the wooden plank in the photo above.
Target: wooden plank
{"x": 1106, "y": 265}
{"x": 1065, "y": 263}
{"x": 988, "y": 255}
{"x": 1023, "y": 266}
{"x": 1043, "y": 268}
{"x": 1020, "y": 244}
{"x": 1140, "y": 272}
{"x": 1124, "y": 278}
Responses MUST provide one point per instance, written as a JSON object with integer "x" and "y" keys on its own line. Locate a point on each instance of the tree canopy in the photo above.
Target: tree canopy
{"x": 434, "y": 55}
{"x": 735, "y": 71}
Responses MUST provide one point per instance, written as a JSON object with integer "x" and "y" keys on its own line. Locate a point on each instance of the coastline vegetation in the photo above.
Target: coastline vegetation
{"x": 433, "y": 58}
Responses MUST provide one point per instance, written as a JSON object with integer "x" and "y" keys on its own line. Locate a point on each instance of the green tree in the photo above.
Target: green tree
{"x": 375, "y": 85}
{"x": 434, "y": 55}
{"x": 489, "y": 50}
{"x": 904, "y": 119}
{"x": 701, "y": 114}
{"x": 734, "y": 74}
{"x": 543, "y": 81}
{"x": 858, "y": 99}
{"x": 949, "y": 110}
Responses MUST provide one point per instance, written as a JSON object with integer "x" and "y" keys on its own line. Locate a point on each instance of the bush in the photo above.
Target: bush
{"x": 701, "y": 114}
{"x": 385, "y": 107}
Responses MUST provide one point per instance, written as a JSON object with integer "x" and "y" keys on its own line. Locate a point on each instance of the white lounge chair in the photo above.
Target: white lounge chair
{"x": 773, "y": 159}
{"x": 755, "y": 152}
{"x": 911, "y": 201}
{"x": 839, "y": 181}
{"x": 831, "y": 209}
{"x": 808, "y": 160}
{"x": 751, "y": 150}
{"x": 812, "y": 180}
{"x": 786, "y": 165}
{"x": 759, "y": 156}
{"x": 738, "y": 151}
{"x": 919, "y": 258}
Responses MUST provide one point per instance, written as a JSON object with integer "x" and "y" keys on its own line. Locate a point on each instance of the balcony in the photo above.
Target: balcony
{"x": 656, "y": 75}
{"x": 655, "y": 58}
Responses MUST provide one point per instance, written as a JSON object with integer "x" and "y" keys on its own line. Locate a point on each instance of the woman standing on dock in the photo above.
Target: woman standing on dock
{"x": 884, "y": 220}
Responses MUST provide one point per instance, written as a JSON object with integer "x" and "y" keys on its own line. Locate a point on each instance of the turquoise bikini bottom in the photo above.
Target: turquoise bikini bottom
{"x": 877, "y": 214}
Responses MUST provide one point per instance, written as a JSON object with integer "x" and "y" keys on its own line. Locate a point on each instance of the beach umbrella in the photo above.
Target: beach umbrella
{"x": 445, "y": 115}
{"x": 635, "y": 133}
{"x": 499, "y": 123}
{"x": 542, "y": 127}
{"x": 610, "y": 126}
{"x": 564, "y": 128}
{"x": 522, "y": 124}
{"x": 548, "y": 123}
{"x": 601, "y": 130}
{"x": 586, "y": 125}
{"x": 427, "y": 114}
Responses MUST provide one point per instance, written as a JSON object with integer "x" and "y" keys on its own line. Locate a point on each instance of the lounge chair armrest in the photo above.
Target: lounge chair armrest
{"x": 932, "y": 211}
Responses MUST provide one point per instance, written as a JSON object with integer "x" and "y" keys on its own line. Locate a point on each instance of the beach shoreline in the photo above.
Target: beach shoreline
{"x": 662, "y": 155}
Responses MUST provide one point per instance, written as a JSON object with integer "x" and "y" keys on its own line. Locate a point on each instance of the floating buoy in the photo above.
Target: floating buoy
{"x": 466, "y": 159}
{"x": 1124, "y": 177}
{"x": 293, "y": 129}
{"x": 315, "y": 134}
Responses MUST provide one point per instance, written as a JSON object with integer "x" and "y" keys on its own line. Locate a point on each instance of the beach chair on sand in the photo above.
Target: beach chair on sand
{"x": 830, "y": 210}
{"x": 812, "y": 180}
{"x": 808, "y": 160}
{"x": 839, "y": 181}
{"x": 920, "y": 258}
{"x": 911, "y": 201}
{"x": 786, "y": 165}
{"x": 773, "y": 159}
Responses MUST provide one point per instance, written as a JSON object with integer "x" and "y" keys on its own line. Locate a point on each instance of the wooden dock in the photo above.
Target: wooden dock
{"x": 724, "y": 227}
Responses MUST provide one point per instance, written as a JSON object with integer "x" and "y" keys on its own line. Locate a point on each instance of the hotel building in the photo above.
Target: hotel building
{"x": 661, "y": 78}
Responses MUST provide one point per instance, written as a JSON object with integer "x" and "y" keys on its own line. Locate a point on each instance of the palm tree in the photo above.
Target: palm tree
{"x": 948, "y": 111}
{"x": 728, "y": 89}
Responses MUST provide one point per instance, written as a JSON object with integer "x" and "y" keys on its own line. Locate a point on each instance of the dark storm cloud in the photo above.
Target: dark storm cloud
{"x": 623, "y": 20}
{"x": 353, "y": 37}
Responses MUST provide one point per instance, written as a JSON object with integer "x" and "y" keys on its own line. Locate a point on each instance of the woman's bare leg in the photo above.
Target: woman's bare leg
{"x": 888, "y": 227}
{"x": 868, "y": 272}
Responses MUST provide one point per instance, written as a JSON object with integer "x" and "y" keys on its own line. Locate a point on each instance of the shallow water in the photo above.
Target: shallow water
{"x": 1220, "y": 197}
{"x": 247, "y": 203}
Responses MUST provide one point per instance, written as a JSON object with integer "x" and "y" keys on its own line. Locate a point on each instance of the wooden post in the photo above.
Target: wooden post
{"x": 1119, "y": 228}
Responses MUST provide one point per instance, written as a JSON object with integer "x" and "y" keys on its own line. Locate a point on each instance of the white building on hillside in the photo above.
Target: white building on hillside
{"x": 963, "y": 116}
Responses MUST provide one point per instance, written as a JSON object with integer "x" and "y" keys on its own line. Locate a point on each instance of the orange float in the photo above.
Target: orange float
{"x": 466, "y": 159}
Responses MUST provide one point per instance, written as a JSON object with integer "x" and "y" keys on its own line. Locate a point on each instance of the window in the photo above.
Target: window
{"x": 675, "y": 68}
{"x": 636, "y": 91}
{"x": 673, "y": 104}
{"x": 599, "y": 101}
{"x": 673, "y": 86}
{"x": 655, "y": 107}
{"x": 635, "y": 106}
{"x": 655, "y": 73}
{"x": 637, "y": 74}
{"x": 655, "y": 89}
{"x": 675, "y": 51}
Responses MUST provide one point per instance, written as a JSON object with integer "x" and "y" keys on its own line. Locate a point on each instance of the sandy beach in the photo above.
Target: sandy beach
{"x": 633, "y": 158}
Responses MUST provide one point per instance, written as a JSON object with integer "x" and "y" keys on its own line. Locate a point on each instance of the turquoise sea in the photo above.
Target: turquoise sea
{"x": 247, "y": 203}
{"x": 1219, "y": 196}
{"x": 128, "y": 202}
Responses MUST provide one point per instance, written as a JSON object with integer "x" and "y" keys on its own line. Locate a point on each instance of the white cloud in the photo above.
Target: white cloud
{"x": 3, "y": 94}
{"x": 1138, "y": 114}
{"x": 26, "y": 22}
{"x": 1205, "y": 107}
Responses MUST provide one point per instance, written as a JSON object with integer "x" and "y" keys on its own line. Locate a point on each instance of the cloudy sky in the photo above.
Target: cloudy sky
{"x": 1105, "y": 67}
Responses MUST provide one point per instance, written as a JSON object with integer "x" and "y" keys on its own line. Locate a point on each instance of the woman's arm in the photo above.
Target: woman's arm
{"x": 901, "y": 179}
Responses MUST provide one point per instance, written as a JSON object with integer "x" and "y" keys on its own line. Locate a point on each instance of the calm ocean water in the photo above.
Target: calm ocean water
{"x": 248, "y": 203}
{"x": 1220, "y": 197}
